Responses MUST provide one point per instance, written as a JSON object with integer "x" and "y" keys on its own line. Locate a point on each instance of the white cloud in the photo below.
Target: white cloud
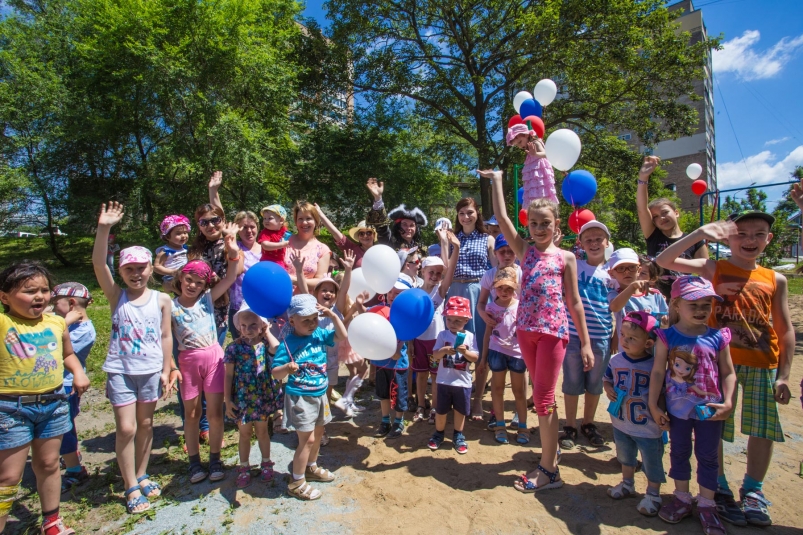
{"x": 764, "y": 167}
{"x": 738, "y": 56}
{"x": 776, "y": 141}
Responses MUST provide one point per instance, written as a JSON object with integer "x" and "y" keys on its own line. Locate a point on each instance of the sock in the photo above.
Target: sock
{"x": 523, "y": 425}
{"x": 213, "y": 456}
{"x": 296, "y": 477}
{"x": 652, "y": 491}
{"x": 685, "y": 497}
{"x": 749, "y": 484}
{"x": 312, "y": 464}
{"x": 397, "y": 421}
{"x": 351, "y": 387}
{"x": 386, "y": 419}
{"x": 74, "y": 469}
{"x": 722, "y": 482}
{"x": 629, "y": 482}
{"x": 195, "y": 459}
{"x": 705, "y": 502}
{"x": 265, "y": 459}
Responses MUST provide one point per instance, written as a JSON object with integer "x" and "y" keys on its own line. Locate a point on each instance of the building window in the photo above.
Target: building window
{"x": 625, "y": 137}
{"x": 671, "y": 187}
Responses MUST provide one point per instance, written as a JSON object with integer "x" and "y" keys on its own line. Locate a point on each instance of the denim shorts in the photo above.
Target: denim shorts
{"x": 499, "y": 362}
{"x": 577, "y": 382}
{"x": 20, "y": 423}
{"x": 652, "y": 454}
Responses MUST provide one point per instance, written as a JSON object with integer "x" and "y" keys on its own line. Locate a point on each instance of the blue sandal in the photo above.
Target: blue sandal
{"x": 500, "y": 435}
{"x": 523, "y": 484}
{"x": 150, "y": 487}
{"x": 131, "y": 505}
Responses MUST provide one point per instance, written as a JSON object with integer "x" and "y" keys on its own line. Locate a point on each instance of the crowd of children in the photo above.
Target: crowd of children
{"x": 667, "y": 337}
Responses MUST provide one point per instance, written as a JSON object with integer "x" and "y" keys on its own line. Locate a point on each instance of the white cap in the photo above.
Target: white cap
{"x": 404, "y": 282}
{"x": 432, "y": 261}
{"x": 595, "y": 224}
{"x": 625, "y": 255}
{"x": 443, "y": 222}
{"x": 245, "y": 308}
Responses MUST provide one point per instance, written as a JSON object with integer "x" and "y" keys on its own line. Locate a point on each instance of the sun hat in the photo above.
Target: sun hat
{"x": 303, "y": 305}
{"x": 500, "y": 242}
{"x": 516, "y": 130}
{"x": 457, "y": 306}
{"x": 71, "y": 289}
{"x": 624, "y": 255}
{"x": 276, "y": 209}
{"x": 135, "y": 255}
{"x": 595, "y": 224}
{"x": 362, "y": 225}
{"x": 404, "y": 282}
{"x": 506, "y": 276}
{"x": 245, "y": 308}
{"x": 172, "y": 221}
{"x": 432, "y": 261}
{"x": 645, "y": 320}
{"x": 751, "y": 214}
{"x": 692, "y": 288}
{"x": 199, "y": 268}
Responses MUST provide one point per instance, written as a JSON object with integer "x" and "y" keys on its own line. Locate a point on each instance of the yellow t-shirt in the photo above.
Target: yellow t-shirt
{"x": 31, "y": 356}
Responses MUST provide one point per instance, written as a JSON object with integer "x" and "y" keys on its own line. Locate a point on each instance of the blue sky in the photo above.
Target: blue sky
{"x": 759, "y": 76}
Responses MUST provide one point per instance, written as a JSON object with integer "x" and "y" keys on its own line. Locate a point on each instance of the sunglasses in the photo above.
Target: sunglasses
{"x": 211, "y": 221}
{"x": 365, "y": 233}
{"x": 626, "y": 269}
{"x": 414, "y": 262}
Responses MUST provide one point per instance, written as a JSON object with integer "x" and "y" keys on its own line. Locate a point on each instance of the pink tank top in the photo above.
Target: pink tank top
{"x": 541, "y": 307}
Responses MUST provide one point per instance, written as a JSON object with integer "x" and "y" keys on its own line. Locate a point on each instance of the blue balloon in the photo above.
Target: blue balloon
{"x": 521, "y": 196}
{"x": 531, "y": 107}
{"x": 411, "y": 313}
{"x": 267, "y": 289}
{"x": 579, "y": 187}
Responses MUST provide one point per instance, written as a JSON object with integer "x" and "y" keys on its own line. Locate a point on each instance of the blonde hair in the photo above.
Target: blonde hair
{"x": 543, "y": 202}
{"x": 305, "y": 206}
{"x": 660, "y": 202}
{"x": 245, "y": 214}
{"x": 688, "y": 358}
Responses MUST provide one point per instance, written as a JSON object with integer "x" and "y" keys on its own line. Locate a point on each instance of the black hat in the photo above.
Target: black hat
{"x": 751, "y": 214}
{"x": 402, "y": 212}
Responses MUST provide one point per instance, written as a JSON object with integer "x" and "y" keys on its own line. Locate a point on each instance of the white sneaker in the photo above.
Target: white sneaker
{"x": 342, "y": 404}
{"x": 356, "y": 408}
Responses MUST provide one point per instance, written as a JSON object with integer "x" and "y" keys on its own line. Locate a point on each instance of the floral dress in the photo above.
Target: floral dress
{"x": 256, "y": 392}
{"x": 541, "y": 307}
{"x": 312, "y": 253}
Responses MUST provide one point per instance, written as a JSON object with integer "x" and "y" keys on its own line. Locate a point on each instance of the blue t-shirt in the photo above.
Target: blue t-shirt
{"x": 309, "y": 352}
{"x": 82, "y": 337}
{"x": 402, "y": 364}
{"x": 632, "y": 375}
{"x": 593, "y": 284}
{"x": 653, "y": 303}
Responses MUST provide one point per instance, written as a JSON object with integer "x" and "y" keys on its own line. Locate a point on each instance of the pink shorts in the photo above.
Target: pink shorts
{"x": 202, "y": 371}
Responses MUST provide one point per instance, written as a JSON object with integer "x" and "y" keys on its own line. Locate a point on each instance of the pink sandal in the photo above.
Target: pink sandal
{"x": 243, "y": 476}
{"x": 59, "y": 523}
{"x": 267, "y": 470}
{"x": 709, "y": 518}
{"x": 675, "y": 511}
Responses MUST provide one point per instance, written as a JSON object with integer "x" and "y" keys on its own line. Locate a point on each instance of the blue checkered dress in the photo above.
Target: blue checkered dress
{"x": 473, "y": 260}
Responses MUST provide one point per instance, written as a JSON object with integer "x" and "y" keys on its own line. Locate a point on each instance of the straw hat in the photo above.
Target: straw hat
{"x": 362, "y": 225}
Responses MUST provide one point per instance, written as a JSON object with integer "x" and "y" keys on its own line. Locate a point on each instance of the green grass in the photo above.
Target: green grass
{"x": 795, "y": 285}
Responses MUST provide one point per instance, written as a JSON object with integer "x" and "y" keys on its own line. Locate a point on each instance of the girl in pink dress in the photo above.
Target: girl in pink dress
{"x": 537, "y": 176}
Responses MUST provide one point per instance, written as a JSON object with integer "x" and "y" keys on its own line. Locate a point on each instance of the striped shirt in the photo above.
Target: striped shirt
{"x": 594, "y": 283}
{"x": 473, "y": 260}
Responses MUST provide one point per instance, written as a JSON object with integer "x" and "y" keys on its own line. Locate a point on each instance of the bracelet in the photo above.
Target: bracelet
{"x": 643, "y": 183}
{"x": 236, "y": 258}
{"x": 173, "y": 370}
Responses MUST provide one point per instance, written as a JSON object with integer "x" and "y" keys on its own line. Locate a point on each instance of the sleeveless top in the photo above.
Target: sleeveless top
{"x": 541, "y": 307}
{"x": 746, "y": 311}
{"x": 473, "y": 260}
{"x": 135, "y": 347}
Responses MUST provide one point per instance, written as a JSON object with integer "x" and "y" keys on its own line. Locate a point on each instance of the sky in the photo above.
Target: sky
{"x": 758, "y": 78}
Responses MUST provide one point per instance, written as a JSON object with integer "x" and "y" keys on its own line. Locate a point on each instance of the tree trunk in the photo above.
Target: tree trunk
{"x": 484, "y": 160}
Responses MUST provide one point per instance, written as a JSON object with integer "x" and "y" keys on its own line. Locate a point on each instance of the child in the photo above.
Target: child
{"x": 580, "y": 376}
{"x": 454, "y": 377}
{"x": 271, "y": 237}
{"x": 200, "y": 356}
{"x": 538, "y": 178}
{"x": 175, "y": 230}
{"x": 634, "y": 430}
{"x": 755, "y": 310}
{"x": 391, "y": 373}
{"x": 69, "y": 300}
{"x": 139, "y": 362}
{"x": 111, "y": 249}
{"x": 33, "y": 411}
{"x": 714, "y": 382}
{"x": 252, "y": 394}
{"x": 503, "y": 354}
{"x": 549, "y": 290}
{"x": 659, "y": 224}
{"x": 302, "y": 359}
{"x": 492, "y": 226}
{"x": 633, "y": 294}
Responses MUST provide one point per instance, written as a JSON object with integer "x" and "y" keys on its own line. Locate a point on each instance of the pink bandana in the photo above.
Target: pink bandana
{"x": 135, "y": 255}
{"x": 198, "y": 268}
{"x": 516, "y": 130}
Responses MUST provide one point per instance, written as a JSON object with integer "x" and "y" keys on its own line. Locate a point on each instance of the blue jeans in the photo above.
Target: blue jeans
{"x": 21, "y": 423}
{"x": 69, "y": 444}
{"x": 577, "y": 382}
{"x": 652, "y": 454}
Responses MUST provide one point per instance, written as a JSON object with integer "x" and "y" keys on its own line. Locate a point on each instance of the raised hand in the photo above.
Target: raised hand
{"x": 649, "y": 165}
{"x": 376, "y": 188}
{"x": 797, "y": 196}
{"x": 216, "y": 180}
{"x": 110, "y": 214}
{"x": 348, "y": 259}
{"x": 442, "y": 235}
{"x": 360, "y": 301}
{"x": 453, "y": 239}
{"x": 490, "y": 173}
{"x": 297, "y": 260}
{"x": 718, "y": 230}
{"x": 328, "y": 312}
{"x": 229, "y": 230}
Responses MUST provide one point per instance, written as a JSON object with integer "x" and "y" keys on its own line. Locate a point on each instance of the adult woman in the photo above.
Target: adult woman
{"x": 316, "y": 254}
{"x": 475, "y": 258}
{"x": 401, "y": 227}
{"x": 363, "y": 234}
{"x": 251, "y": 252}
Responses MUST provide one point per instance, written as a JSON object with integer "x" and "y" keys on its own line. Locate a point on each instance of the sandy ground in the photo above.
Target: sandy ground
{"x": 399, "y": 486}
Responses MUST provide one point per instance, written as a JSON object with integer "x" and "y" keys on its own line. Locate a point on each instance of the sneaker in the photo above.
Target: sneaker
{"x": 435, "y": 441}
{"x": 384, "y": 429}
{"x": 356, "y": 408}
{"x": 568, "y": 438}
{"x": 397, "y": 430}
{"x": 754, "y": 505}
{"x": 419, "y": 414}
{"x": 728, "y": 509}
{"x": 72, "y": 479}
{"x": 431, "y": 419}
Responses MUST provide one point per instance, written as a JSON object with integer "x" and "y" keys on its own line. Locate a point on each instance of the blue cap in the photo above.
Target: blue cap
{"x": 500, "y": 242}
{"x": 302, "y": 305}
{"x": 434, "y": 249}
{"x": 492, "y": 221}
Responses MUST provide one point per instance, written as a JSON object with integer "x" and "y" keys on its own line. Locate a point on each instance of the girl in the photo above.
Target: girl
{"x": 410, "y": 263}
{"x": 541, "y": 325}
{"x": 252, "y": 394}
{"x": 401, "y": 227}
{"x": 34, "y": 414}
{"x": 138, "y": 364}
{"x": 537, "y": 176}
{"x": 659, "y": 224}
{"x": 713, "y": 378}
{"x": 304, "y": 242}
{"x": 200, "y": 355}
{"x": 363, "y": 234}
{"x": 175, "y": 230}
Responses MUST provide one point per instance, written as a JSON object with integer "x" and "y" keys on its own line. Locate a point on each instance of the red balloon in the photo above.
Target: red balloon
{"x": 516, "y": 119}
{"x": 698, "y": 187}
{"x": 580, "y": 217}
{"x": 536, "y": 125}
{"x": 523, "y": 216}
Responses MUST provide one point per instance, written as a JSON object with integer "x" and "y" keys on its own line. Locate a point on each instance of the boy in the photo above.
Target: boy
{"x": 271, "y": 237}
{"x": 302, "y": 358}
{"x": 69, "y": 300}
{"x": 634, "y": 429}
{"x": 492, "y": 226}
{"x": 391, "y": 373}
{"x": 454, "y": 377}
{"x": 579, "y": 377}
{"x": 755, "y": 309}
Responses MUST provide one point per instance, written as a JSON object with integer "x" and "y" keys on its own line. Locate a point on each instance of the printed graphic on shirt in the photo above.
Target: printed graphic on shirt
{"x": 633, "y": 376}
{"x": 749, "y": 327}
{"x": 39, "y": 345}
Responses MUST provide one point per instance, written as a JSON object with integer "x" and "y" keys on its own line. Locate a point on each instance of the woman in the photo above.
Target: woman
{"x": 475, "y": 258}
{"x": 316, "y": 254}
{"x": 251, "y": 252}
{"x": 401, "y": 227}
{"x": 363, "y": 236}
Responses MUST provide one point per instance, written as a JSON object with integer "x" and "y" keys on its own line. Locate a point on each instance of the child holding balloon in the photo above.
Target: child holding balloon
{"x": 538, "y": 178}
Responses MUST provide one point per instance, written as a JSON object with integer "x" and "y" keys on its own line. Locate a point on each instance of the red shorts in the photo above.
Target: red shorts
{"x": 422, "y": 361}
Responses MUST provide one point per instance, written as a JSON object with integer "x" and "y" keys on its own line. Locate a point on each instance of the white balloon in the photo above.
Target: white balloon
{"x": 545, "y": 92}
{"x": 608, "y": 252}
{"x": 380, "y": 267}
{"x": 694, "y": 171}
{"x": 372, "y": 336}
{"x": 359, "y": 285}
{"x": 562, "y": 150}
{"x": 520, "y": 97}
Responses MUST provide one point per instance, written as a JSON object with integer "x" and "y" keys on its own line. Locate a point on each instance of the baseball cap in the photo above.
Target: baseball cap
{"x": 434, "y": 249}
{"x": 645, "y": 320}
{"x": 404, "y": 282}
{"x": 506, "y": 276}
{"x": 443, "y": 222}
{"x": 135, "y": 255}
{"x": 302, "y": 305}
{"x": 751, "y": 214}
{"x": 500, "y": 242}
{"x": 625, "y": 255}
{"x": 276, "y": 209}
{"x": 432, "y": 261}
{"x": 457, "y": 306}
{"x": 492, "y": 221}
{"x": 595, "y": 224}
{"x": 71, "y": 289}
{"x": 692, "y": 288}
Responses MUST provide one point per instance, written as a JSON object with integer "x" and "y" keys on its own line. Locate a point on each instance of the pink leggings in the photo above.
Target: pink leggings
{"x": 543, "y": 354}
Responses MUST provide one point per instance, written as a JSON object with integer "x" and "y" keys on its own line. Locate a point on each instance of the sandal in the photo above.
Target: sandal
{"x": 132, "y": 504}
{"x": 58, "y": 523}
{"x": 302, "y": 490}
{"x": 216, "y": 470}
{"x": 622, "y": 490}
{"x": 435, "y": 441}
{"x": 524, "y": 484}
{"x": 649, "y": 505}
{"x": 460, "y": 444}
{"x": 431, "y": 419}
{"x": 568, "y": 438}
{"x": 243, "y": 476}
{"x": 266, "y": 470}
{"x": 318, "y": 474}
{"x": 149, "y": 489}
{"x": 676, "y": 511}
{"x": 500, "y": 435}
{"x": 712, "y": 525}
{"x": 419, "y": 414}
{"x": 523, "y": 435}
{"x": 197, "y": 473}
{"x": 593, "y": 436}
{"x": 492, "y": 423}
{"x": 73, "y": 479}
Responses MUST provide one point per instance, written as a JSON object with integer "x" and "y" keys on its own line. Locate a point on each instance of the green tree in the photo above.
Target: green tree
{"x": 786, "y": 233}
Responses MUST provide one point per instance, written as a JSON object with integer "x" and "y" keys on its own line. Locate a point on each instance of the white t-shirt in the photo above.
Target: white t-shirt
{"x": 453, "y": 370}
{"x": 503, "y": 336}
{"x": 487, "y": 281}
{"x": 436, "y": 325}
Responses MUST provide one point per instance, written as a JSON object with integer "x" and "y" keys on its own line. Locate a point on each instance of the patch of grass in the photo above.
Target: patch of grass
{"x": 795, "y": 285}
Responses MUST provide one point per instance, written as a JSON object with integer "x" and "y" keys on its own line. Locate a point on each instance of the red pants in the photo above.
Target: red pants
{"x": 543, "y": 354}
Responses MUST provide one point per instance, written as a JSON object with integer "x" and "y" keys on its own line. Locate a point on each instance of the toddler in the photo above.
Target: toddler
{"x": 271, "y": 237}
{"x": 175, "y": 230}
{"x": 537, "y": 176}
